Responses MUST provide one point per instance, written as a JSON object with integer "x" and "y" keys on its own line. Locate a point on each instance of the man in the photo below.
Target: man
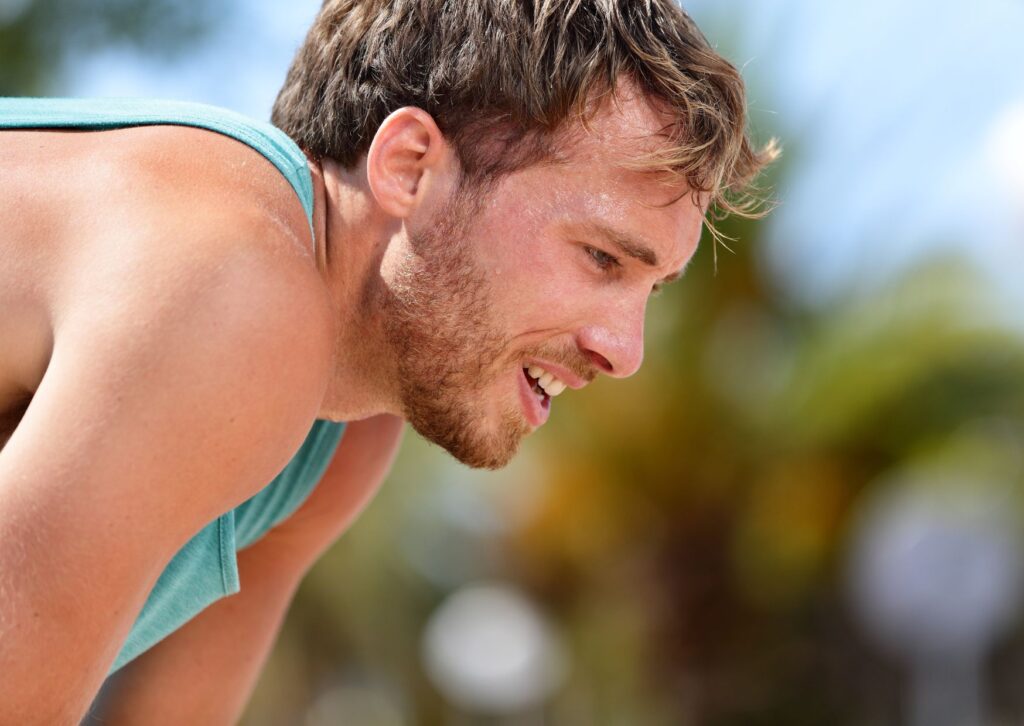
{"x": 489, "y": 192}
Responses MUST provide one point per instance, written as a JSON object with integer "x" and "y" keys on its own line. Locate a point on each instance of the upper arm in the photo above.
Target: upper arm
{"x": 165, "y": 403}
{"x": 213, "y": 662}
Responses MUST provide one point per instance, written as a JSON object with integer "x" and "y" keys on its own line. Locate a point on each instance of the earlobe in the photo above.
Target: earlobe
{"x": 406, "y": 151}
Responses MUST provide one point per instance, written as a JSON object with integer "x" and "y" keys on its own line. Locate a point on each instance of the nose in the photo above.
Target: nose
{"x": 616, "y": 345}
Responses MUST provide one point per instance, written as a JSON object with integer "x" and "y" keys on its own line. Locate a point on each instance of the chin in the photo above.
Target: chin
{"x": 481, "y": 458}
{"x": 473, "y": 442}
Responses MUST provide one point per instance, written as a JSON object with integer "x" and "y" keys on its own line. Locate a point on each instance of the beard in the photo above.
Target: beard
{"x": 448, "y": 346}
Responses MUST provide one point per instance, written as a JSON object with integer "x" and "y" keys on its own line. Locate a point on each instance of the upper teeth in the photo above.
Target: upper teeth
{"x": 551, "y": 385}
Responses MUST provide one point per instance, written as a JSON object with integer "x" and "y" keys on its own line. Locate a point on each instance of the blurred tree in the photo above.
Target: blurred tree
{"x": 38, "y": 38}
{"x": 718, "y": 483}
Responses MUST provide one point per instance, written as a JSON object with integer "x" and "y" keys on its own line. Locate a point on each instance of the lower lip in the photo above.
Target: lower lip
{"x": 536, "y": 412}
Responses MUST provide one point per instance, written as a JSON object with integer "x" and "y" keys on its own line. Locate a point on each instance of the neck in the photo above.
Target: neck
{"x": 351, "y": 236}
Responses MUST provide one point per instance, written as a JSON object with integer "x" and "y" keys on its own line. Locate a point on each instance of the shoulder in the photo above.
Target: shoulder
{"x": 176, "y": 241}
{"x": 223, "y": 358}
{"x": 204, "y": 283}
{"x": 199, "y": 249}
{"x": 182, "y": 207}
{"x": 196, "y": 175}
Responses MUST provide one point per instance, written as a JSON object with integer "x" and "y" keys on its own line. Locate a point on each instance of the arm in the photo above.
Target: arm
{"x": 95, "y": 492}
{"x": 205, "y": 672}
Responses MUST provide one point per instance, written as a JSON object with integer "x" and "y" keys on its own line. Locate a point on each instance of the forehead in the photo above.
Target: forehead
{"x": 594, "y": 178}
{"x": 620, "y": 128}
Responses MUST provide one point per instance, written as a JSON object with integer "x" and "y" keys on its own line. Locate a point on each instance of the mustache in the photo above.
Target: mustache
{"x": 569, "y": 358}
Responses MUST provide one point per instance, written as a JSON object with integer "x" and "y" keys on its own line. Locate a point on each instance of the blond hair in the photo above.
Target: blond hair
{"x": 501, "y": 77}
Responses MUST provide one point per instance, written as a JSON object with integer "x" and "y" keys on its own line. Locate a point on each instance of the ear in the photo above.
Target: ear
{"x": 408, "y": 154}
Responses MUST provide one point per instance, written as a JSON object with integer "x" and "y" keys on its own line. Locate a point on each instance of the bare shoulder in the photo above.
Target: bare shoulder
{"x": 156, "y": 238}
{"x": 195, "y": 178}
{"x": 191, "y": 346}
{"x": 221, "y": 174}
{"x": 195, "y": 226}
{"x": 194, "y": 279}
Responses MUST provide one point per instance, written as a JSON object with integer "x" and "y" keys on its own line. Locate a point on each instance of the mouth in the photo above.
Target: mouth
{"x": 536, "y": 401}
{"x": 535, "y": 386}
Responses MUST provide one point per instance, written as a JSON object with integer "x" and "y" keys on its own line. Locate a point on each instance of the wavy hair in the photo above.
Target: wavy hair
{"x": 503, "y": 77}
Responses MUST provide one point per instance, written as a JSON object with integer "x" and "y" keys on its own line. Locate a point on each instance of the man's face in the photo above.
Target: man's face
{"x": 549, "y": 271}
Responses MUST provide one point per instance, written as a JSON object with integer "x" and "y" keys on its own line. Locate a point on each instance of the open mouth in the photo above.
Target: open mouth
{"x": 540, "y": 393}
{"x": 536, "y": 389}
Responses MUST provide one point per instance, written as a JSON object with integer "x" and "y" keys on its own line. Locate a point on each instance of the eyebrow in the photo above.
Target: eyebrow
{"x": 633, "y": 248}
{"x": 625, "y": 244}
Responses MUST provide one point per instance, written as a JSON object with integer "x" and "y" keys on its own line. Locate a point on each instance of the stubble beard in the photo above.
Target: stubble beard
{"x": 448, "y": 347}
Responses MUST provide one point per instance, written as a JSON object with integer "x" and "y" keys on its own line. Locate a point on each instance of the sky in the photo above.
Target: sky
{"x": 902, "y": 123}
{"x": 240, "y": 66}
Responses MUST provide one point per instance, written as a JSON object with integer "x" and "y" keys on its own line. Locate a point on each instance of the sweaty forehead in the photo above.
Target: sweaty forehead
{"x": 591, "y": 198}
{"x": 621, "y": 128}
{"x": 594, "y": 179}
{"x": 607, "y": 151}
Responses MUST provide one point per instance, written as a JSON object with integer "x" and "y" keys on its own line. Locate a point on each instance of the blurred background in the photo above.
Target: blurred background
{"x": 805, "y": 509}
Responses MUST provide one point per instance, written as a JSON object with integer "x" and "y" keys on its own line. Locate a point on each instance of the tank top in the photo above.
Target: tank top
{"x": 205, "y": 569}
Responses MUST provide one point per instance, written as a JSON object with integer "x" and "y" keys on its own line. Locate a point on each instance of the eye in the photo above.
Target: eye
{"x": 601, "y": 258}
{"x": 656, "y": 290}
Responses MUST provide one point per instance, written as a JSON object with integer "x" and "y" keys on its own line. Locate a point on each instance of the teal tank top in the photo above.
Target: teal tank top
{"x": 206, "y": 568}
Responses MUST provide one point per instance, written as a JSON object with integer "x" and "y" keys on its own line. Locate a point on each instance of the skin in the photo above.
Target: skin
{"x": 569, "y": 297}
{"x": 420, "y": 302}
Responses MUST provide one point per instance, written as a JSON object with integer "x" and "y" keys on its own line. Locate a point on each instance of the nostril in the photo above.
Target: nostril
{"x": 603, "y": 363}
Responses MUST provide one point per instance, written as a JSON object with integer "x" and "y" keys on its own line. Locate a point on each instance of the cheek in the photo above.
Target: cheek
{"x": 544, "y": 292}
{"x": 536, "y": 282}
{"x": 520, "y": 263}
